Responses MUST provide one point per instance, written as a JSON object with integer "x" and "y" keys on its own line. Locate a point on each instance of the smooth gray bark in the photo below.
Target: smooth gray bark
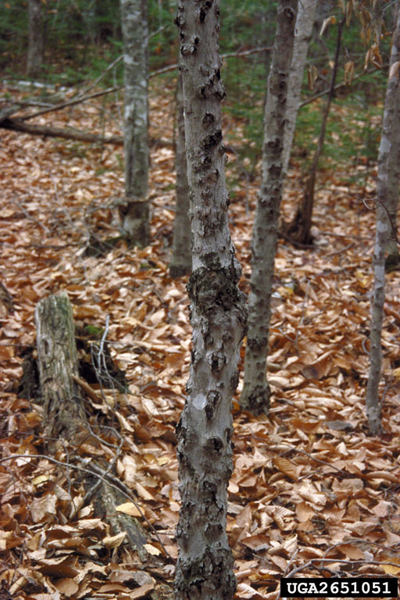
{"x": 218, "y": 316}
{"x": 299, "y": 230}
{"x": 255, "y": 394}
{"x": 387, "y": 193}
{"x": 36, "y": 45}
{"x": 181, "y": 259}
{"x": 303, "y": 32}
{"x": 135, "y": 215}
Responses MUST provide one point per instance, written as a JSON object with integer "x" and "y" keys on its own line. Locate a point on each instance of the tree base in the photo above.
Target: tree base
{"x": 176, "y": 271}
{"x": 256, "y": 399}
{"x": 298, "y": 232}
{"x": 135, "y": 219}
{"x": 392, "y": 262}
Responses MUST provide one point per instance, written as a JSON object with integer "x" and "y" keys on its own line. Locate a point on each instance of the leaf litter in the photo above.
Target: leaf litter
{"x": 311, "y": 493}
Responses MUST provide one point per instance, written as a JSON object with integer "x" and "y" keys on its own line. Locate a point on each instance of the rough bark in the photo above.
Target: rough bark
{"x": 36, "y": 45}
{"x": 63, "y": 405}
{"x": 64, "y": 410}
{"x": 387, "y": 192}
{"x": 303, "y": 31}
{"x": 255, "y": 394}
{"x": 218, "y": 315}
{"x": 181, "y": 259}
{"x": 136, "y": 216}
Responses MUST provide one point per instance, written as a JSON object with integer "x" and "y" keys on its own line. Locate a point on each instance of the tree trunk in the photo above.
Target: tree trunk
{"x": 65, "y": 415}
{"x": 300, "y": 228}
{"x": 387, "y": 192}
{"x": 304, "y": 26}
{"x": 181, "y": 260}
{"x": 135, "y": 215}
{"x": 218, "y": 316}
{"x": 36, "y": 45}
{"x": 255, "y": 394}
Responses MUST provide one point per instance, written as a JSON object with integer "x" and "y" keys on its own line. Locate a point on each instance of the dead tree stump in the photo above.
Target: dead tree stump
{"x": 58, "y": 362}
{"x": 65, "y": 415}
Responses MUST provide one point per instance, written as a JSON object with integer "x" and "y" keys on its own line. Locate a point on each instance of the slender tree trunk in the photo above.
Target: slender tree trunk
{"x": 387, "y": 192}
{"x": 36, "y": 45}
{"x": 300, "y": 229}
{"x": 303, "y": 32}
{"x": 218, "y": 315}
{"x": 135, "y": 215}
{"x": 181, "y": 260}
{"x": 255, "y": 394}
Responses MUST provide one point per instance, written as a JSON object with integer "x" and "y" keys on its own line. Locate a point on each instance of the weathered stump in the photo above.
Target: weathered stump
{"x": 65, "y": 414}
{"x": 58, "y": 362}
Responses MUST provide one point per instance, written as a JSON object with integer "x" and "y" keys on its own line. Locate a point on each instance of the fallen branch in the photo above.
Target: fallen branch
{"x": 44, "y": 130}
{"x": 68, "y": 134}
{"x": 120, "y": 87}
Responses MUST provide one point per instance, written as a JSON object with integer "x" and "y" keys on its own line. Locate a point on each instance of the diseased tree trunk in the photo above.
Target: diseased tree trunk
{"x": 64, "y": 410}
{"x": 303, "y": 31}
{"x": 300, "y": 228}
{"x": 36, "y": 45}
{"x": 218, "y": 316}
{"x": 181, "y": 260}
{"x": 255, "y": 394}
{"x": 135, "y": 215}
{"x": 387, "y": 193}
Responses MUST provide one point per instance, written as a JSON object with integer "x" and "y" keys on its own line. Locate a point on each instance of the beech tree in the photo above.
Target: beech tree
{"x": 387, "y": 195}
{"x": 181, "y": 259}
{"x": 135, "y": 211}
{"x": 218, "y": 316}
{"x": 255, "y": 394}
{"x": 303, "y": 32}
{"x": 299, "y": 230}
{"x": 36, "y": 45}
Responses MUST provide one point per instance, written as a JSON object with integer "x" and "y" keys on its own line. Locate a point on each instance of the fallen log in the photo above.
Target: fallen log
{"x": 17, "y": 124}
{"x": 65, "y": 415}
{"x": 21, "y": 126}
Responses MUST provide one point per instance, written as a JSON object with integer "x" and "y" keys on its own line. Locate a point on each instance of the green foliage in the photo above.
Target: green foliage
{"x": 83, "y": 37}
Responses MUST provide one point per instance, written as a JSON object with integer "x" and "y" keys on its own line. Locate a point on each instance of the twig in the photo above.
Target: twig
{"x": 337, "y": 87}
{"x": 96, "y": 472}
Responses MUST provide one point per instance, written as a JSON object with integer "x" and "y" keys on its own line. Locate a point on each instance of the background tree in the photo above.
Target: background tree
{"x": 218, "y": 316}
{"x": 303, "y": 33}
{"x": 255, "y": 394}
{"x": 181, "y": 259}
{"x": 135, "y": 213}
{"x": 387, "y": 195}
{"x": 299, "y": 230}
{"x": 36, "y": 43}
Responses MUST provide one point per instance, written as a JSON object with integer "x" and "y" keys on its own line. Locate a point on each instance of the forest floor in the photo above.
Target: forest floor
{"x": 311, "y": 493}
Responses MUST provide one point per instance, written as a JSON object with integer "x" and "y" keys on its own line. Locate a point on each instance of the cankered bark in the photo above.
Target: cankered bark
{"x": 255, "y": 394}
{"x": 218, "y": 316}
